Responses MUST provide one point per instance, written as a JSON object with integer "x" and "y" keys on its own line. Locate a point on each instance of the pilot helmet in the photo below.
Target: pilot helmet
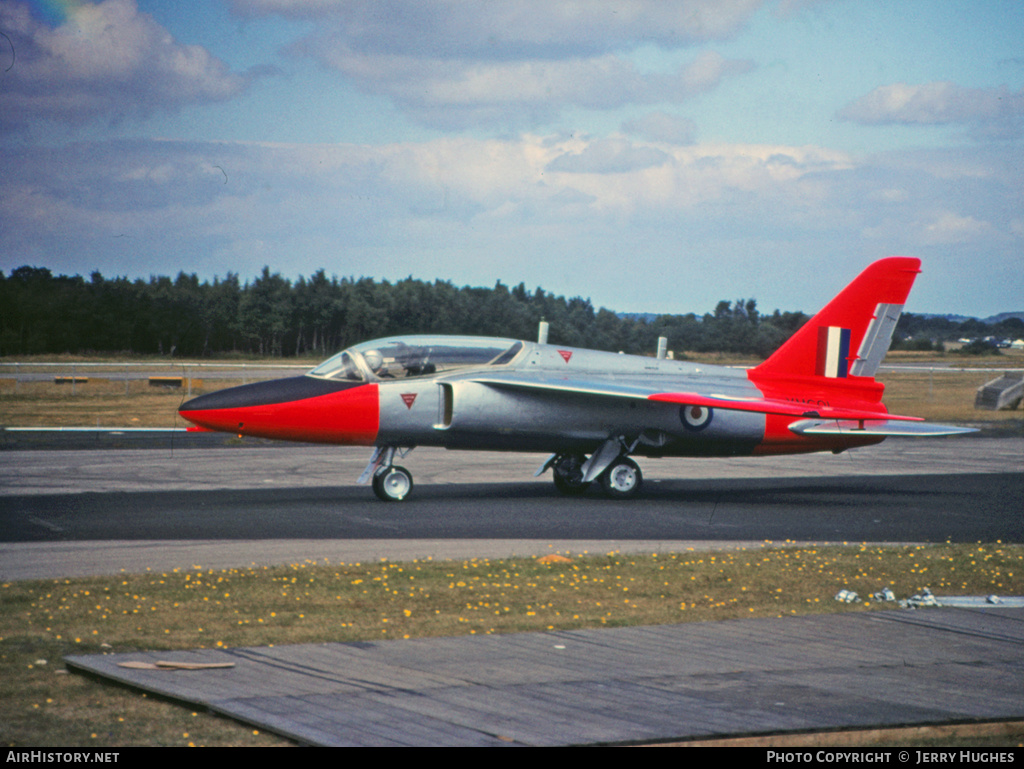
{"x": 374, "y": 360}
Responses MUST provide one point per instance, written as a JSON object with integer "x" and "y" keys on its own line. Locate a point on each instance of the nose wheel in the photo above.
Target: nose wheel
{"x": 392, "y": 484}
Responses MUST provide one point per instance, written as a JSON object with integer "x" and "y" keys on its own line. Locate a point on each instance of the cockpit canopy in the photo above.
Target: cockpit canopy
{"x": 412, "y": 356}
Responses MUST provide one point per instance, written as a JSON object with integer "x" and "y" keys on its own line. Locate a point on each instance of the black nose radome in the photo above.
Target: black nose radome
{"x": 266, "y": 393}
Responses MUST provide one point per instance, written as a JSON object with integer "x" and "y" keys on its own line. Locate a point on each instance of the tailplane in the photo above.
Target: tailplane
{"x": 842, "y": 346}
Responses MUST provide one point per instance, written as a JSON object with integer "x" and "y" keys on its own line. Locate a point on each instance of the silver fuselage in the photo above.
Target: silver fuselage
{"x": 469, "y": 409}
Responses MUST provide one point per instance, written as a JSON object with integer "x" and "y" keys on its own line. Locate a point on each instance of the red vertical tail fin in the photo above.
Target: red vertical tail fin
{"x": 840, "y": 348}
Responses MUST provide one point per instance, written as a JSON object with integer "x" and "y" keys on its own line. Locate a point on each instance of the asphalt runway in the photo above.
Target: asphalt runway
{"x": 68, "y": 513}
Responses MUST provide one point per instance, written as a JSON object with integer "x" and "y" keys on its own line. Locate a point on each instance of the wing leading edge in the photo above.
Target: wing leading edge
{"x": 574, "y": 387}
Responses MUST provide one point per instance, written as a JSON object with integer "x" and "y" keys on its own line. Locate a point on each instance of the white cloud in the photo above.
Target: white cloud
{"x": 948, "y": 227}
{"x": 452, "y": 64}
{"x": 890, "y": 195}
{"x": 455, "y": 93}
{"x": 662, "y": 127}
{"x": 498, "y": 28}
{"x": 550, "y": 210}
{"x": 928, "y": 229}
{"x": 220, "y": 190}
{"x": 106, "y": 60}
{"x": 608, "y": 156}
{"x": 992, "y": 111}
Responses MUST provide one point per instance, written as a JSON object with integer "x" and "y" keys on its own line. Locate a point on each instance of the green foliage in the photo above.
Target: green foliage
{"x": 979, "y": 347}
{"x": 919, "y": 344}
{"x": 273, "y": 316}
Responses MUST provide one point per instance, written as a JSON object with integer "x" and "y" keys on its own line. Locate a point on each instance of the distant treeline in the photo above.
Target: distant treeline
{"x": 272, "y": 315}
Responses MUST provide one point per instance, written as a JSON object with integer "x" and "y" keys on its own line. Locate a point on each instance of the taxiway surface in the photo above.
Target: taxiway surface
{"x": 70, "y": 513}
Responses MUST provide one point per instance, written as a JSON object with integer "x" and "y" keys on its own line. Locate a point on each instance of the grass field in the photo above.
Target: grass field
{"x": 40, "y": 621}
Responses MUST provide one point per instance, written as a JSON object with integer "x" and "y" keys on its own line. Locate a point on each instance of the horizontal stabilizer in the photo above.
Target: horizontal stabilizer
{"x": 874, "y": 427}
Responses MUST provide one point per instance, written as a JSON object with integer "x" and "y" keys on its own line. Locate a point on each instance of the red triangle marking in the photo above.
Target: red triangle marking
{"x": 408, "y": 399}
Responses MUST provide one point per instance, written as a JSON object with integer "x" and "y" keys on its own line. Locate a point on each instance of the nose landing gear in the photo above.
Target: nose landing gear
{"x": 392, "y": 484}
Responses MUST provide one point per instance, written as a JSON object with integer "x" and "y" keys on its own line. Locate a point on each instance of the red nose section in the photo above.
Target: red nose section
{"x": 297, "y": 409}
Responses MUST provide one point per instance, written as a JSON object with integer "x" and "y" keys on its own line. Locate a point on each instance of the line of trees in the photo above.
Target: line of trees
{"x": 274, "y": 316}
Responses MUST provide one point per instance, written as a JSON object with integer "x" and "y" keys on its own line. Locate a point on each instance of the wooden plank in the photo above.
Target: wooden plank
{"x": 615, "y": 685}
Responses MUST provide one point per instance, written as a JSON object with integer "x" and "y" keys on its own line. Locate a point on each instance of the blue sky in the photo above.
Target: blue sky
{"x": 652, "y": 156}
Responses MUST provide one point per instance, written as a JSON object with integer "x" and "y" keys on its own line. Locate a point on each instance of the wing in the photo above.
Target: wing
{"x": 817, "y": 419}
{"x": 642, "y": 391}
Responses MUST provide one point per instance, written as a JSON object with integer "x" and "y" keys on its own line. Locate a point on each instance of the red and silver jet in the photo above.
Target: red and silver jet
{"x": 592, "y": 410}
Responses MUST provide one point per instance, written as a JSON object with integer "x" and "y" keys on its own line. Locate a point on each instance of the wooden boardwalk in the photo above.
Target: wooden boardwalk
{"x": 628, "y": 685}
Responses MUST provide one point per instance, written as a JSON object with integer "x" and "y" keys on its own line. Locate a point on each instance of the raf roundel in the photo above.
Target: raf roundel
{"x": 695, "y": 418}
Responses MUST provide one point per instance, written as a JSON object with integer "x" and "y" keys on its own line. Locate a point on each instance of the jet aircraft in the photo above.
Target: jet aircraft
{"x": 592, "y": 411}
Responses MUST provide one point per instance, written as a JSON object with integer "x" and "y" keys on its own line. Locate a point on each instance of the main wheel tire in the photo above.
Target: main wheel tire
{"x": 569, "y": 487}
{"x": 622, "y": 479}
{"x": 568, "y": 475}
{"x": 392, "y": 484}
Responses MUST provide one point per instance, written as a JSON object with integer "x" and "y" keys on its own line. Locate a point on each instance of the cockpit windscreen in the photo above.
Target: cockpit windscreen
{"x": 403, "y": 357}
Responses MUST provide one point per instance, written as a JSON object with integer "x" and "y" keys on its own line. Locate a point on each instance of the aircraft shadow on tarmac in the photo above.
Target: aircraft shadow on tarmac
{"x": 914, "y": 508}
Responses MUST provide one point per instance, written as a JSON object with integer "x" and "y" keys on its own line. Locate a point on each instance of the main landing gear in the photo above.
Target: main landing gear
{"x": 567, "y": 470}
{"x": 619, "y": 476}
{"x": 622, "y": 479}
